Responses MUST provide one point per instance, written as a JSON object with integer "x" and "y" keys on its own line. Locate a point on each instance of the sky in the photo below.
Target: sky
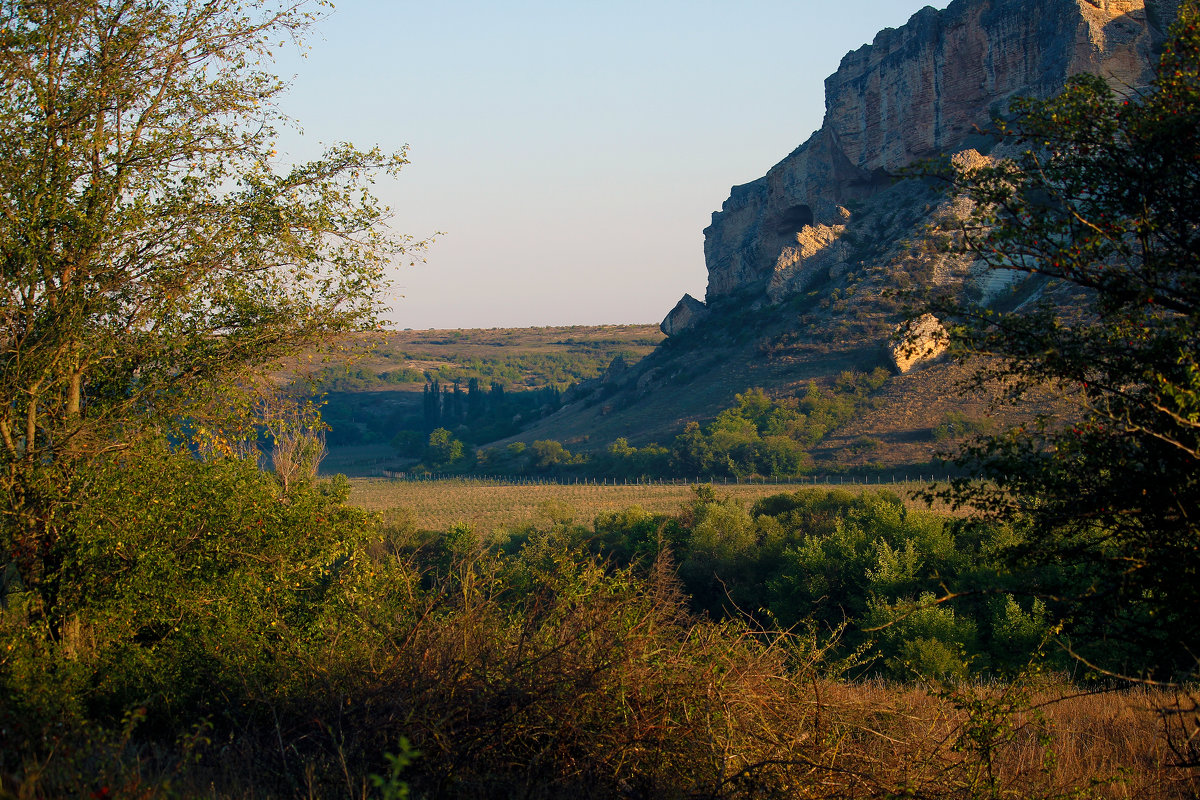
{"x": 567, "y": 153}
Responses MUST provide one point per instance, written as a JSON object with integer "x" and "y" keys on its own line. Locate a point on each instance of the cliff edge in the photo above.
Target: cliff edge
{"x": 916, "y": 91}
{"x": 806, "y": 265}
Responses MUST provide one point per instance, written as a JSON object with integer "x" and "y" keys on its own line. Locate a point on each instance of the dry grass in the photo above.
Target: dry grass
{"x": 488, "y": 506}
{"x": 749, "y": 715}
{"x": 594, "y": 687}
{"x": 1051, "y": 741}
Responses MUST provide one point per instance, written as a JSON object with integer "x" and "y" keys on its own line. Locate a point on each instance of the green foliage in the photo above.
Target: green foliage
{"x": 390, "y": 786}
{"x": 930, "y": 641}
{"x": 547, "y": 454}
{"x": 542, "y": 457}
{"x": 621, "y": 460}
{"x": 154, "y": 260}
{"x": 535, "y": 370}
{"x": 181, "y": 589}
{"x": 346, "y": 379}
{"x": 862, "y": 564}
{"x": 634, "y": 535}
{"x": 1103, "y": 208}
{"x": 760, "y": 436}
{"x": 172, "y": 625}
{"x": 719, "y": 556}
{"x": 221, "y": 639}
{"x": 443, "y": 450}
{"x": 217, "y": 638}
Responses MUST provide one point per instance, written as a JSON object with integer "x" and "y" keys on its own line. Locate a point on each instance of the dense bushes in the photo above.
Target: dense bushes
{"x": 176, "y": 587}
{"x": 207, "y": 629}
{"x": 761, "y": 436}
{"x": 859, "y": 568}
{"x": 861, "y": 564}
{"x": 207, "y": 633}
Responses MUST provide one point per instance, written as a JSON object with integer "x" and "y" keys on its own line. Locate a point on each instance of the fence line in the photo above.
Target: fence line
{"x": 559, "y": 480}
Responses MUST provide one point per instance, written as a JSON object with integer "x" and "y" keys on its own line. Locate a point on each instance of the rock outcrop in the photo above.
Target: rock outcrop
{"x": 915, "y": 92}
{"x": 686, "y": 313}
{"x": 810, "y": 266}
{"x": 815, "y": 252}
{"x": 922, "y": 339}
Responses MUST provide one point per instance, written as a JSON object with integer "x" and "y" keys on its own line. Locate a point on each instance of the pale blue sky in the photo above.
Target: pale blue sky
{"x": 572, "y": 152}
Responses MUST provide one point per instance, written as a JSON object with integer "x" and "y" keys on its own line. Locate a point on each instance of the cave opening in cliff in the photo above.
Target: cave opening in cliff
{"x": 793, "y": 219}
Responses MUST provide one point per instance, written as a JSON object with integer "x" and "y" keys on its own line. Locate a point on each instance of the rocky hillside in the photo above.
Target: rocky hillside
{"x": 915, "y": 92}
{"x": 800, "y": 261}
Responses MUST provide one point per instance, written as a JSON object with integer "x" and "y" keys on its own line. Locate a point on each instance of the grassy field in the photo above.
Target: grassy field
{"x": 489, "y": 506}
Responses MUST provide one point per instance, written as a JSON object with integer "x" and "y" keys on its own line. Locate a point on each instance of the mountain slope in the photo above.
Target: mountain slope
{"x": 804, "y": 262}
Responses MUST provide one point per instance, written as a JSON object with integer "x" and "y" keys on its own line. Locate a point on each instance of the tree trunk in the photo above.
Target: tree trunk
{"x": 31, "y": 423}
{"x": 75, "y": 393}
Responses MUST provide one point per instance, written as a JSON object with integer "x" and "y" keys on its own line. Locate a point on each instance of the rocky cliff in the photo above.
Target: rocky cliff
{"x": 917, "y": 91}
{"x": 805, "y": 263}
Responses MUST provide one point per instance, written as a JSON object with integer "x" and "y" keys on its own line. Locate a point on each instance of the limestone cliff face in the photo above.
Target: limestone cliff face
{"x": 915, "y": 92}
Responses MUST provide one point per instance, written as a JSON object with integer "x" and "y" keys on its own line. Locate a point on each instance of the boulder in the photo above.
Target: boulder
{"x": 686, "y": 313}
{"x": 916, "y": 341}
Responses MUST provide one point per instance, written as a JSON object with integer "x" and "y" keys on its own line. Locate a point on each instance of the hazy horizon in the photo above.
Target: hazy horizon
{"x": 572, "y": 155}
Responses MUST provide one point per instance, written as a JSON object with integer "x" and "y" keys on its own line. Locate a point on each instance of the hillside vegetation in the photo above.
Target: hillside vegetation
{"x": 303, "y": 650}
{"x": 375, "y": 385}
{"x": 511, "y": 403}
{"x": 178, "y": 621}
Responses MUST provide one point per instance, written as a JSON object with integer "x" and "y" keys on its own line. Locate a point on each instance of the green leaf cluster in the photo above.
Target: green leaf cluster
{"x": 919, "y": 594}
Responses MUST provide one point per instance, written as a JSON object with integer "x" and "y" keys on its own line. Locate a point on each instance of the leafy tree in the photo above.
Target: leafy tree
{"x": 297, "y": 436}
{"x": 621, "y": 449}
{"x": 443, "y": 449}
{"x": 548, "y": 454}
{"x": 152, "y": 253}
{"x": 692, "y": 452}
{"x": 432, "y": 404}
{"x": 1102, "y": 208}
{"x": 764, "y": 436}
{"x": 622, "y": 460}
{"x": 409, "y": 443}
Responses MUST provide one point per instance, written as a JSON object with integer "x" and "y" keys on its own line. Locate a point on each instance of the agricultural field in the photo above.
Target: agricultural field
{"x": 489, "y": 506}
